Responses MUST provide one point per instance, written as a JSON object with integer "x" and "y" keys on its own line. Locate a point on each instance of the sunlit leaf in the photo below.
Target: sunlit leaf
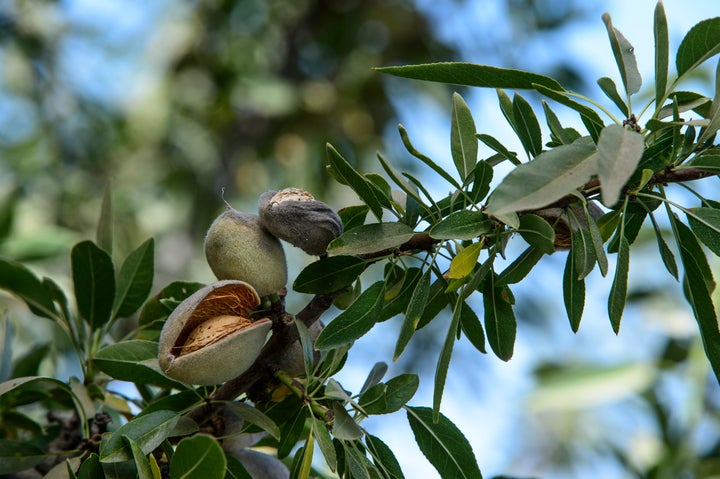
{"x": 712, "y": 127}
{"x": 608, "y": 87}
{"x": 660, "y": 33}
{"x": 618, "y": 151}
{"x": 481, "y": 181}
{"x": 564, "y": 136}
{"x": 355, "y": 321}
{"x": 624, "y": 57}
{"x": 94, "y": 280}
{"x": 499, "y": 147}
{"x": 700, "y": 43}
{"x": 552, "y": 175}
{"x": 198, "y": 457}
{"x": 461, "y": 225}
{"x": 464, "y": 262}
{"x": 470, "y": 74}
{"x": 370, "y": 238}
{"x": 463, "y": 143}
{"x": 134, "y": 361}
{"x": 588, "y": 116}
{"x": 443, "y": 444}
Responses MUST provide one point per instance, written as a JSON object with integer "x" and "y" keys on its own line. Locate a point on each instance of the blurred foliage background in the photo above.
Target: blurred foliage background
{"x": 170, "y": 102}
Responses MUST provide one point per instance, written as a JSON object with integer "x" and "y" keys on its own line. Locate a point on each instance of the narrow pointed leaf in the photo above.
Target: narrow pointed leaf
{"x": 328, "y": 275}
{"x": 552, "y": 175}
{"x": 705, "y": 223}
{"x": 435, "y": 167}
{"x": 520, "y": 268}
{"x": 619, "y": 151}
{"x": 714, "y": 114}
{"x": 383, "y": 458}
{"x": 589, "y": 117}
{"x": 104, "y": 234}
{"x": 254, "y": 416}
{"x": 461, "y": 225}
{"x": 355, "y": 180}
{"x": 404, "y": 185}
{"x": 584, "y": 252}
{"x": 618, "y": 291}
{"x": 499, "y": 148}
{"x": 710, "y": 163}
{"x": 370, "y": 239}
{"x": 148, "y": 431}
{"x": 597, "y": 243}
{"x": 134, "y": 361}
{"x": 660, "y": 32}
{"x": 142, "y": 463}
{"x": 355, "y": 321}
{"x": 472, "y": 328}
{"x": 470, "y": 74}
{"x": 563, "y": 135}
{"x": 668, "y": 258}
{"x": 414, "y": 311}
{"x": 94, "y": 280}
{"x": 608, "y": 87}
{"x": 624, "y": 57}
{"x": 464, "y": 262}
{"x": 528, "y": 128}
{"x": 500, "y": 323}
{"x": 573, "y": 293}
{"x": 443, "y": 363}
{"x": 20, "y": 281}
{"x": 443, "y": 444}
{"x": 322, "y": 436}
{"x": 700, "y": 43}
{"x": 481, "y": 181}
{"x": 462, "y": 137}
{"x": 135, "y": 280}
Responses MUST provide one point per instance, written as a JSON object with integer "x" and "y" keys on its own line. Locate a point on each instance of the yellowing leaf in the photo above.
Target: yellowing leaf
{"x": 463, "y": 264}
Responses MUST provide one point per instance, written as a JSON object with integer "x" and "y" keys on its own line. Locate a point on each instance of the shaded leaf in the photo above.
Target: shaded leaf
{"x": 328, "y": 275}
{"x": 618, "y": 291}
{"x": 461, "y": 73}
{"x": 709, "y": 163}
{"x": 564, "y": 136}
{"x": 472, "y": 328}
{"x": 443, "y": 363}
{"x": 584, "y": 252}
{"x": 198, "y": 457}
{"x": 355, "y": 321}
{"x": 134, "y": 361}
{"x": 104, "y": 233}
{"x": 588, "y": 116}
{"x": 290, "y": 432}
{"x": 148, "y": 431}
{"x": 344, "y": 427}
{"x": 520, "y": 268}
{"x": 481, "y": 181}
{"x": 322, "y": 436}
{"x": 141, "y": 461}
{"x": 254, "y": 416}
{"x": 135, "y": 280}
{"x": 374, "y": 376}
{"x": 383, "y": 458}
{"x": 668, "y": 258}
{"x": 705, "y": 223}
{"x": 618, "y": 151}
{"x": 552, "y": 175}
{"x": 463, "y": 144}
{"x": 573, "y": 291}
{"x": 353, "y": 216}
{"x": 94, "y": 280}
{"x": 414, "y": 311}
{"x": 370, "y": 238}
{"x": 500, "y": 323}
{"x": 537, "y": 232}
{"x": 700, "y": 43}
{"x": 608, "y": 87}
{"x": 162, "y": 304}
{"x": 20, "y": 281}
{"x": 443, "y": 444}
{"x": 16, "y": 456}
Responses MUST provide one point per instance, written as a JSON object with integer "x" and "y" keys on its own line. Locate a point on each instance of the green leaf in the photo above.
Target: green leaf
{"x": 624, "y": 57}
{"x": 328, "y": 275}
{"x": 355, "y": 321}
{"x": 589, "y": 117}
{"x": 520, "y": 268}
{"x": 528, "y": 128}
{"x": 17, "y": 456}
{"x": 461, "y": 225}
{"x": 355, "y": 180}
{"x": 254, "y": 416}
{"x": 235, "y": 469}
{"x": 104, "y": 234}
{"x": 353, "y": 216}
{"x": 463, "y": 143}
{"x": 537, "y": 232}
{"x": 608, "y": 87}
{"x": 618, "y": 151}
{"x": 443, "y": 444}
{"x": 148, "y": 431}
{"x": 398, "y": 303}
{"x": 573, "y": 292}
{"x": 198, "y": 457}
{"x": 597, "y": 243}
{"x": 91, "y": 468}
{"x": 701, "y": 43}
{"x": 344, "y": 428}
{"x": 162, "y": 304}
{"x": 691, "y": 252}
{"x": 134, "y": 361}
{"x": 618, "y": 291}
{"x": 142, "y": 463}
{"x": 415, "y": 309}
{"x": 705, "y": 223}
{"x": 552, "y": 175}
{"x": 370, "y": 238}
{"x": 709, "y": 163}
{"x": 564, "y": 136}
{"x": 322, "y": 436}
{"x": 409, "y": 190}
{"x": 443, "y": 363}
{"x": 400, "y": 390}
{"x": 660, "y": 32}
{"x": 94, "y": 280}
{"x": 584, "y": 252}
{"x": 668, "y": 258}
{"x": 481, "y": 181}
{"x": 306, "y": 344}
{"x": 20, "y": 281}
{"x": 469, "y": 74}
{"x": 499, "y": 147}
{"x": 711, "y": 129}
{"x": 374, "y": 376}
{"x": 434, "y": 166}
{"x": 500, "y": 322}
{"x": 135, "y": 280}
{"x": 472, "y": 328}
{"x": 383, "y": 458}
{"x": 464, "y": 262}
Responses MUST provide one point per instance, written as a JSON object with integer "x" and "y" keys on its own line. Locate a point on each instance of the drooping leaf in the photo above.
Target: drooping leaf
{"x": 481, "y": 181}
{"x": 662, "y": 55}
{"x": 608, "y": 87}
{"x": 383, "y": 458}
{"x": 416, "y": 306}
{"x": 461, "y": 73}
{"x": 705, "y": 223}
{"x": 500, "y": 323}
{"x": 624, "y": 57}
{"x": 355, "y": 321}
{"x": 584, "y": 252}
{"x": 399, "y": 303}
{"x": 618, "y": 291}
{"x": 20, "y": 281}
{"x": 463, "y": 143}
{"x": 528, "y": 128}
{"x": 519, "y": 269}
{"x": 461, "y": 225}
{"x": 370, "y": 238}
{"x": 91, "y": 468}
{"x": 355, "y": 180}
{"x": 17, "y": 456}
{"x": 322, "y": 436}
{"x": 472, "y": 328}
{"x": 142, "y": 464}
{"x": 618, "y": 151}
{"x": 692, "y": 252}
{"x": 306, "y": 345}
{"x": 573, "y": 292}
{"x": 148, "y": 431}
{"x": 597, "y": 243}
{"x": 464, "y": 262}
{"x": 134, "y": 361}
{"x": 668, "y": 258}
{"x": 290, "y": 432}
{"x": 329, "y": 274}
{"x": 537, "y": 232}
{"x": 198, "y": 457}
{"x": 443, "y": 444}
{"x": 700, "y": 43}
{"x": 552, "y": 175}
{"x": 135, "y": 280}
{"x": 443, "y": 363}
{"x": 94, "y": 280}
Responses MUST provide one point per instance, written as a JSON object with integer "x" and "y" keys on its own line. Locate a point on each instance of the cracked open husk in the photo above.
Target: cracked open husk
{"x": 211, "y": 337}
